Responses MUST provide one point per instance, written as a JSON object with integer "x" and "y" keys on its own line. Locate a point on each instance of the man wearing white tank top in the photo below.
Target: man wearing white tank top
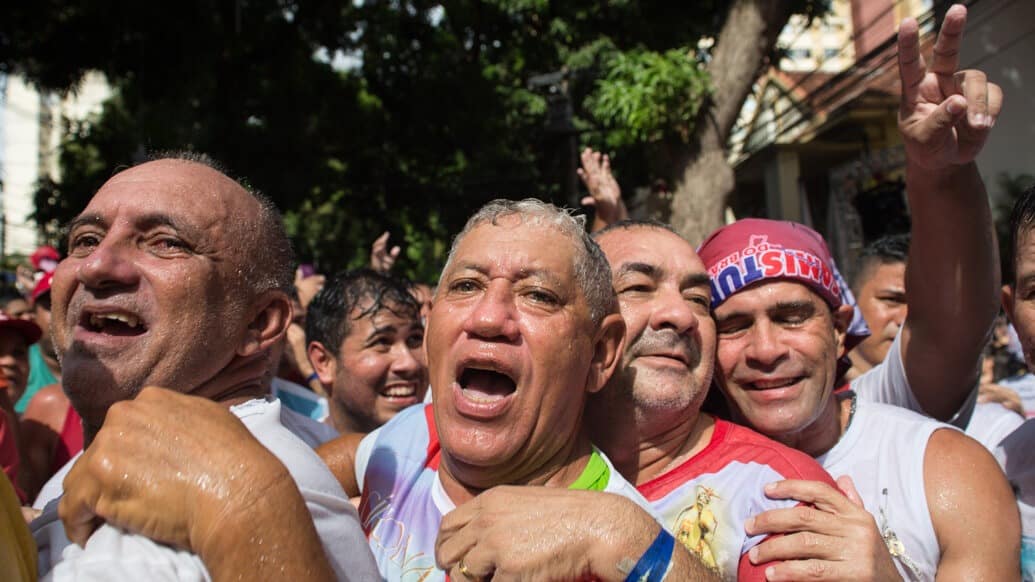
{"x": 940, "y": 506}
{"x": 1016, "y": 451}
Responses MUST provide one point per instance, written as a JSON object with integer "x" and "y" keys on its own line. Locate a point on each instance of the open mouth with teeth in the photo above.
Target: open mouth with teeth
{"x": 485, "y": 386}
{"x": 774, "y": 384}
{"x": 116, "y": 323}
{"x": 400, "y": 392}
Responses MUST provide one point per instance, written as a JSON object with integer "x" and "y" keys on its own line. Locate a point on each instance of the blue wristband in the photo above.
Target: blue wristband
{"x": 654, "y": 562}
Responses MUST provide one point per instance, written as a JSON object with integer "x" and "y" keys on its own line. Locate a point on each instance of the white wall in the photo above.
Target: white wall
{"x": 20, "y": 164}
{"x": 31, "y": 129}
{"x": 1000, "y": 40}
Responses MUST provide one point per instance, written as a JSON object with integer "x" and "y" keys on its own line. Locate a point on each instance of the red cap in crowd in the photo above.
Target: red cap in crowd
{"x": 42, "y": 286}
{"x": 27, "y": 329}
{"x": 45, "y": 258}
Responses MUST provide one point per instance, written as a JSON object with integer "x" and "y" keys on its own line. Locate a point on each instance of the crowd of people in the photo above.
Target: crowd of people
{"x": 182, "y": 401}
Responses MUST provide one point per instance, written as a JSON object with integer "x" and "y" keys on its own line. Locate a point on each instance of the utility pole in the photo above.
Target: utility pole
{"x": 560, "y": 121}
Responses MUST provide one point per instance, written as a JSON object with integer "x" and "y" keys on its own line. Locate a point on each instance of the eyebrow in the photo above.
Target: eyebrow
{"x": 144, "y": 222}
{"x": 653, "y": 271}
{"x": 81, "y": 220}
{"x": 637, "y": 267}
{"x": 545, "y": 274}
{"x": 696, "y": 280}
{"x": 381, "y": 330}
{"x": 791, "y": 306}
{"x": 1025, "y": 281}
{"x": 779, "y": 307}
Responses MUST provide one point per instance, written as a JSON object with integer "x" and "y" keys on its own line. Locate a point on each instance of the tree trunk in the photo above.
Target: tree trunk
{"x": 702, "y": 177}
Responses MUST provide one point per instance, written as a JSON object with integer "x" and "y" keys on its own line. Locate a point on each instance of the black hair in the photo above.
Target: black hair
{"x": 1022, "y": 219}
{"x": 327, "y": 319}
{"x": 886, "y": 250}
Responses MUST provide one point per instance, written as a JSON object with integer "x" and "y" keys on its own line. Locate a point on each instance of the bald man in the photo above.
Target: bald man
{"x": 177, "y": 277}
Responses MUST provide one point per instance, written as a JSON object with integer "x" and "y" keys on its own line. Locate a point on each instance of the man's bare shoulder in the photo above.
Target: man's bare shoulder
{"x": 972, "y": 507}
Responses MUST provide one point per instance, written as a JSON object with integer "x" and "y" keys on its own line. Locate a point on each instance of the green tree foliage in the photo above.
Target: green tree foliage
{"x": 646, "y": 95}
{"x": 430, "y": 116}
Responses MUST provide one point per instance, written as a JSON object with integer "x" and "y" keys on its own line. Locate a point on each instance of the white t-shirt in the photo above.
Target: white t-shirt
{"x": 887, "y": 383}
{"x": 1016, "y": 455}
{"x": 991, "y": 423}
{"x": 312, "y": 433}
{"x": 403, "y": 500}
{"x": 883, "y": 452}
{"x": 112, "y": 554}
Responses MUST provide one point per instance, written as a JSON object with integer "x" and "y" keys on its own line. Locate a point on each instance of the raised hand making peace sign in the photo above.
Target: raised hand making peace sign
{"x": 946, "y": 114}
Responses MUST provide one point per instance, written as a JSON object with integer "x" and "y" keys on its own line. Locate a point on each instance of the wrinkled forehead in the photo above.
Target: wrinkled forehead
{"x": 517, "y": 249}
{"x": 651, "y": 246}
{"x": 179, "y": 192}
{"x": 768, "y": 294}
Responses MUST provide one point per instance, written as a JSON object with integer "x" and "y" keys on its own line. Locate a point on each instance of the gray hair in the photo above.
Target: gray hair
{"x": 592, "y": 271}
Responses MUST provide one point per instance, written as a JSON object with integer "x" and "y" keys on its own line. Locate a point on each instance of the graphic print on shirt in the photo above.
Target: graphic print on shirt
{"x": 706, "y": 499}
{"x": 895, "y": 546}
{"x": 696, "y": 525}
{"x": 397, "y": 509}
{"x": 391, "y": 540}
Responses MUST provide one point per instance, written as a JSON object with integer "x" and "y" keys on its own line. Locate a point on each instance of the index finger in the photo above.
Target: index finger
{"x": 911, "y": 67}
{"x": 947, "y": 48}
{"x": 456, "y": 520}
{"x": 823, "y": 496}
{"x": 75, "y": 506}
{"x": 453, "y": 541}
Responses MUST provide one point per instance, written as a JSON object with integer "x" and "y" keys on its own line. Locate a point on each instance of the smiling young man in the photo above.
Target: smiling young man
{"x": 366, "y": 343}
{"x": 880, "y": 291}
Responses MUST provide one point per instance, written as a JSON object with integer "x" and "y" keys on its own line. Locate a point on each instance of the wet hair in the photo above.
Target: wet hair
{"x": 887, "y": 250}
{"x": 592, "y": 272}
{"x": 268, "y": 257}
{"x": 1022, "y": 220}
{"x": 329, "y": 317}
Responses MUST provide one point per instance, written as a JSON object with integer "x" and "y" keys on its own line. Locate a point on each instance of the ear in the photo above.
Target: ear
{"x": 270, "y": 321}
{"x": 325, "y": 364}
{"x": 1008, "y": 298}
{"x": 607, "y": 352}
{"x": 842, "y": 319}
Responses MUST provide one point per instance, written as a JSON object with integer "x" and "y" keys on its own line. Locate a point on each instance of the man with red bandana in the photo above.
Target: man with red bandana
{"x": 940, "y": 506}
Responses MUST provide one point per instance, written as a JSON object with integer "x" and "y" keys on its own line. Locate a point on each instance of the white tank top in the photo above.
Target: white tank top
{"x": 883, "y": 452}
